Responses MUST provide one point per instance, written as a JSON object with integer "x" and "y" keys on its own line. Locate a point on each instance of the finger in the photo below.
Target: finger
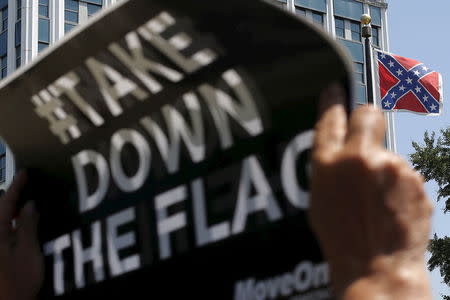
{"x": 27, "y": 223}
{"x": 332, "y": 125}
{"x": 366, "y": 127}
{"x": 9, "y": 201}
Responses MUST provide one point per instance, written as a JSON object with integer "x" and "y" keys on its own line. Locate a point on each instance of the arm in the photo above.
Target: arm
{"x": 368, "y": 207}
{"x": 21, "y": 263}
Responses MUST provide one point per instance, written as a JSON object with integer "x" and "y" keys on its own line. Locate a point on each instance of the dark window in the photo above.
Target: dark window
{"x": 71, "y": 14}
{"x": 2, "y": 168}
{"x": 19, "y": 10}
{"x": 375, "y": 36}
{"x": 4, "y": 66}
{"x": 4, "y": 12}
{"x": 340, "y": 27}
{"x": 357, "y": 53}
{"x": 71, "y": 5}
{"x": 300, "y": 11}
{"x": 359, "y": 72}
{"x": 44, "y": 25}
{"x": 17, "y": 43}
{"x": 18, "y": 56}
{"x": 72, "y": 11}
{"x": 93, "y": 9}
{"x": 18, "y": 33}
{"x": 317, "y": 18}
{"x": 355, "y": 28}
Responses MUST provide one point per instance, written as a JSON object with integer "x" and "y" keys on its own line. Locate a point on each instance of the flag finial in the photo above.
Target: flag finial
{"x": 366, "y": 27}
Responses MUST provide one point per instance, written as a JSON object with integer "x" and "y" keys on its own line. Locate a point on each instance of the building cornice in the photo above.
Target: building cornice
{"x": 379, "y": 3}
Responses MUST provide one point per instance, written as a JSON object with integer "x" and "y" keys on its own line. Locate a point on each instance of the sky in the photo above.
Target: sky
{"x": 419, "y": 29}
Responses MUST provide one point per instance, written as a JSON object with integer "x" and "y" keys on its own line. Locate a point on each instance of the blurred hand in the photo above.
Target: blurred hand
{"x": 368, "y": 207}
{"x": 21, "y": 262}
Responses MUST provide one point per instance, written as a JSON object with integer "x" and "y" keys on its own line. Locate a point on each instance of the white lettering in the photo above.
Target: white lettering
{"x": 221, "y": 104}
{"x": 93, "y": 254}
{"x": 264, "y": 200}
{"x": 204, "y": 234}
{"x": 117, "y": 242}
{"x": 166, "y": 224}
{"x": 289, "y": 180}
{"x": 134, "y": 138}
{"x": 56, "y": 247}
{"x": 79, "y": 162}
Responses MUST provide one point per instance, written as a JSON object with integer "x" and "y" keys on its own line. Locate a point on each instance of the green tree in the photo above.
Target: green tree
{"x": 432, "y": 160}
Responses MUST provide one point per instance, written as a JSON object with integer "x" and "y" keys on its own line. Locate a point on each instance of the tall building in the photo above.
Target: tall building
{"x": 30, "y": 26}
{"x": 341, "y": 19}
{"x": 27, "y": 27}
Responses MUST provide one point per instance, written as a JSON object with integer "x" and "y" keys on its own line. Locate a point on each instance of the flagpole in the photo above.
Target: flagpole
{"x": 366, "y": 33}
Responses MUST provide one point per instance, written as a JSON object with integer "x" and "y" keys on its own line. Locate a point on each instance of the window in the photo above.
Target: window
{"x": 4, "y": 16}
{"x": 18, "y": 10}
{"x": 317, "y": 5}
{"x": 375, "y": 36}
{"x": 375, "y": 13}
{"x": 2, "y": 167}
{"x": 43, "y": 8}
{"x": 356, "y": 50}
{"x": 348, "y": 29}
{"x": 44, "y": 25}
{"x": 18, "y": 33}
{"x": 359, "y": 71}
{"x": 73, "y": 15}
{"x": 317, "y": 18}
{"x": 93, "y": 6}
{"x": 340, "y": 27}
{"x": 357, "y": 53}
{"x": 18, "y": 56}
{"x": 350, "y": 9}
{"x": 4, "y": 66}
{"x": 43, "y": 34}
{"x": 300, "y": 11}
{"x": 17, "y": 42}
{"x": 355, "y": 29}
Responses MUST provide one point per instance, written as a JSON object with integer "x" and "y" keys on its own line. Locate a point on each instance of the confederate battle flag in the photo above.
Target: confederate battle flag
{"x": 406, "y": 84}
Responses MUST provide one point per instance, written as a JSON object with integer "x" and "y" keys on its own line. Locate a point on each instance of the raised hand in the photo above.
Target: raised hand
{"x": 368, "y": 207}
{"x": 21, "y": 262}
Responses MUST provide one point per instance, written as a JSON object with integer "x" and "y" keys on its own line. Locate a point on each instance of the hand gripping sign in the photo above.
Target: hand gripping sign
{"x": 171, "y": 139}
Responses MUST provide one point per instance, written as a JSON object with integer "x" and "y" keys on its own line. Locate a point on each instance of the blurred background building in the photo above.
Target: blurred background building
{"x": 29, "y": 26}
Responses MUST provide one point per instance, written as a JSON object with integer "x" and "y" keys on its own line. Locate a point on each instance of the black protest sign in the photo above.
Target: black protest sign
{"x": 171, "y": 142}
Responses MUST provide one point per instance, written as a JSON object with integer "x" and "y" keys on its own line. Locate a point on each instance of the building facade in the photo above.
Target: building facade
{"x": 341, "y": 19}
{"x": 30, "y": 26}
{"x": 27, "y": 28}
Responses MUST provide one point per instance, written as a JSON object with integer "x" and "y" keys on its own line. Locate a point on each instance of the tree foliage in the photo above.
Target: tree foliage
{"x": 440, "y": 258}
{"x": 432, "y": 160}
